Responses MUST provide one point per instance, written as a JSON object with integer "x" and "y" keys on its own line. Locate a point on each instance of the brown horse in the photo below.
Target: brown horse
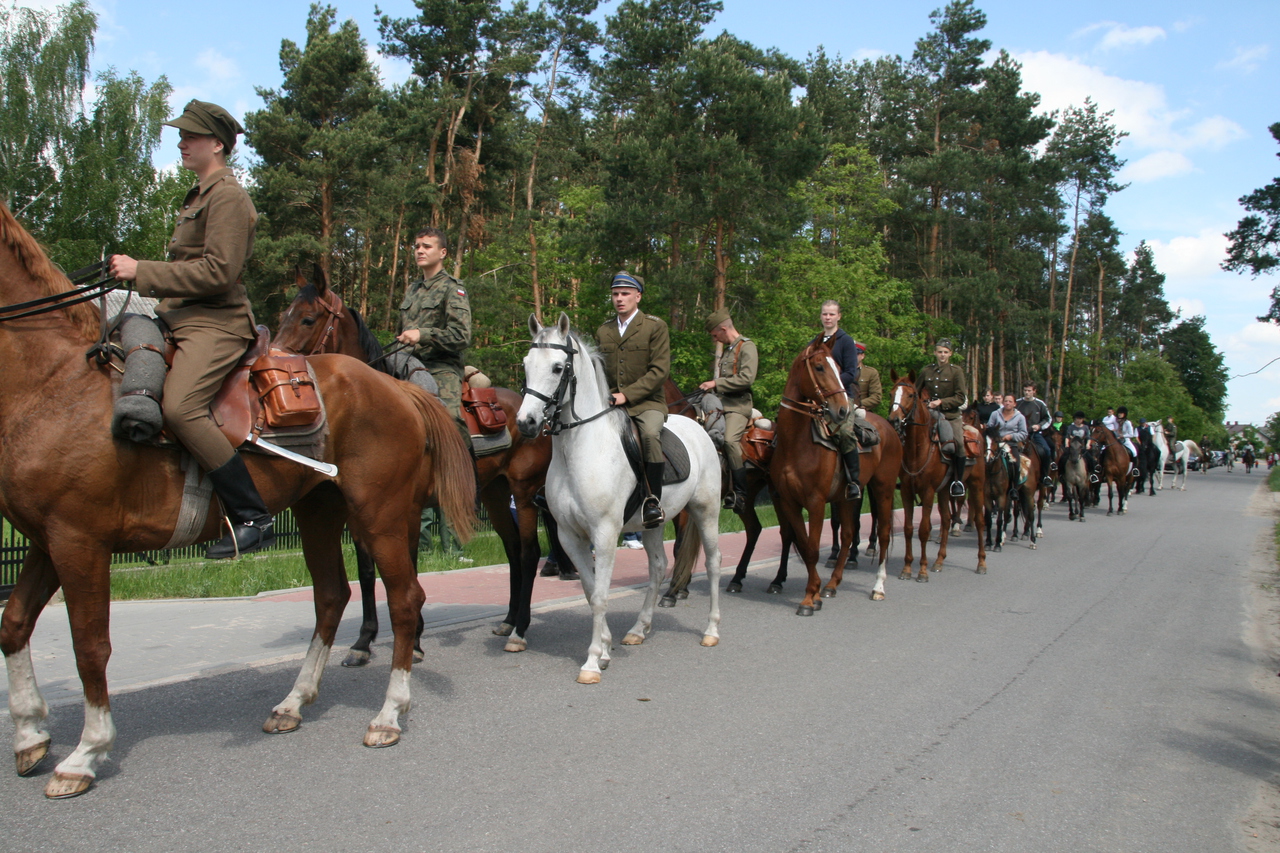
{"x": 318, "y": 321}
{"x": 1029, "y": 496}
{"x": 924, "y": 470}
{"x": 79, "y": 495}
{"x": 807, "y": 476}
{"x": 975, "y": 482}
{"x": 1114, "y": 468}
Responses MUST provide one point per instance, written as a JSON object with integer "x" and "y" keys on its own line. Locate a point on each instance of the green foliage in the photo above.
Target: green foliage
{"x": 1199, "y": 365}
{"x": 1255, "y": 242}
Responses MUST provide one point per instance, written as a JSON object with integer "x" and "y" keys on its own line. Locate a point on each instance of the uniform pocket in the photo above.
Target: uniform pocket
{"x": 190, "y": 227}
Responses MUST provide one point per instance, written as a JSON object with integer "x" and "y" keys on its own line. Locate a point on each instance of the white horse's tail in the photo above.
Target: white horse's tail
{"x": 686, "y": 556}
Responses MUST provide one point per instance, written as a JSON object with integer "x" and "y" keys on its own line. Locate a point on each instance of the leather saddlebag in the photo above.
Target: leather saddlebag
{"x": 482, "y": 405}
{"x": 757, "y": 446}
{"x": 284, "y": 386}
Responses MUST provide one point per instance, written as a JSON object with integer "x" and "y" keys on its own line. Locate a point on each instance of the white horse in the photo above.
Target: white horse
{"x": 1181, "y": 458}
{"x": 1162, "y": 444}
{"x": 589, "y": 481}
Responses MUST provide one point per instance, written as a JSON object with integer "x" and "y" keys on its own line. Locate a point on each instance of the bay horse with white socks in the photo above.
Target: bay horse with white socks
{"x": 590, "y": 480}
{"x": 79, "y": 495}
{"x": 924, "y": 470}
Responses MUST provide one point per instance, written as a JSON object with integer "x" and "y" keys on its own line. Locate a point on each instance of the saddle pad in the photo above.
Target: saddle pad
{"x": 487, "y": 445}
{"x": 676, "y": 469}
{"x": 818, "y": 430}
{"x": 1177, "y": 447}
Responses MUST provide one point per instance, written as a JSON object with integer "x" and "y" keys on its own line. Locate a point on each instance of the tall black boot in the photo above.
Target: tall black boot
{"x": 251, "y": 524}
{"x": 737, "y": 499}
{"x": 651, "y": 515}
{"x": 852, "y": 489}
{"x": 957, "y": 477}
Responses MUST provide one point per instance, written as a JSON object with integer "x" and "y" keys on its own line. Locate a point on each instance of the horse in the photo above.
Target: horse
{"x": 1075, "y": 476}
{"x": 78, "y": 494}
{"x": 1030, "y": 496}
{"x": 318, "y": 321}
{"x": 1162, "y": 450}
{"x": 998, "y": 490}
{"x": 590, "y": 481}
{"x": 1150, "y": 462}
{"x": 924, "y": 470}
{"x": 1180, "y": 460}
{"x": 1249, "y": 460}
{"x": 805, "y": 475}
{"x": 1114, "y": 467}
{"x": 975, "y": 482}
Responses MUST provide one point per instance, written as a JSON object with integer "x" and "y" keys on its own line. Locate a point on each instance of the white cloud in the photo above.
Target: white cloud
{"x": 1140, "y": 108}
{"x": 392, "y": 69}
{"x": 1120, "y": 36}
{"x": 1254, "y": 339}
{"x": 1161, "y": 164}
{"x": 1246, "y": 59}
{"x": 220, "y": 69}
{"x": 1191, "y": 257}
{"x": 1188, "y": 307}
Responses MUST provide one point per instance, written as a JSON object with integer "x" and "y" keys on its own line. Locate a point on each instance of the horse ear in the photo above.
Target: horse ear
{"x": 299, "y": 280}
{"x": 534, "y": 325}
{"x": 893, "y": 374}
{"x": 321, "y": 278}
{"x": 563, "y": 324}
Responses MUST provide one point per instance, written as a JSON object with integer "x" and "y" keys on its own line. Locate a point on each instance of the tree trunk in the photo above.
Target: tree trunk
{"x": 1066, "y": 302}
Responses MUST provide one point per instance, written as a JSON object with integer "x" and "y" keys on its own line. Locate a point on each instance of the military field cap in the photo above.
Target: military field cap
{"x": 210, "y": 120}
{"x": 860, "y": 346}
{"x": 716, "y": 318}
{"x": 622, "y": 278}
{"x": 945, "y": 343}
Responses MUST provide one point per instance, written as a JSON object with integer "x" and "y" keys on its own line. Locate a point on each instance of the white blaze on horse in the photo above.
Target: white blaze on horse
{"x": 590, "y": 480}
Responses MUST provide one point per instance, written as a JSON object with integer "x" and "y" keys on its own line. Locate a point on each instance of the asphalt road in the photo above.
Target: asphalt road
{"x": 1107, "y": 692}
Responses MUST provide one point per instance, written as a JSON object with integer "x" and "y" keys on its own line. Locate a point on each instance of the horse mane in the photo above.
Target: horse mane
{"x": 35, "y": 262}
{"x": 372, "y": 349}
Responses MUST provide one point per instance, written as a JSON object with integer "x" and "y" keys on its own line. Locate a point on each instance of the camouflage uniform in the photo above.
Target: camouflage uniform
{"x": 439, "y": 309}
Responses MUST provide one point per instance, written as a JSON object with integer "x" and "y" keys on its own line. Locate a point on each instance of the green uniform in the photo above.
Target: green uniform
{"x": 738, "y": 365}
{"x": 869, "y": 388}
{"x": 946, "y": 383}
{"x": 637, "y": 364}
{"x": 206, "y": 307}
{"x": 439, "y": 309}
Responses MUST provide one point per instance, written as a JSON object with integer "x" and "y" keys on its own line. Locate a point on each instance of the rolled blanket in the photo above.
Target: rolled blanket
{"x": 713, "y": 417}
{"x": 137, "y": 415}
{"x": 401, "y": 365}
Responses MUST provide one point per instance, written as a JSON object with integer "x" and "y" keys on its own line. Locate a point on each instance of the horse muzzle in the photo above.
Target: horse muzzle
{"x": 529, "y": 426}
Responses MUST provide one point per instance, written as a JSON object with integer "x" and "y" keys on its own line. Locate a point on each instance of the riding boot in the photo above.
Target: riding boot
{"x": 737, "y": 499}
{"x": 251, "y": 524}
{"x": 852, "y": 488}
{"x": 1047, "y": 466}
{"x": 957, "y": 477}
{"x": 651, "y": 514}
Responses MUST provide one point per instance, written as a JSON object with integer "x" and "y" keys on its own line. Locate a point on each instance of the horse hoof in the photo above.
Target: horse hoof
{"x": 64, "y": 786}
{"x": 734, "y": 586}
{"x": 378, "y": 737}
{"x": 922, "y": 579}
{"x": 587, "y": 676}
{"x": 515, "y": 644}
{"x": 870, "y": 552}
{"x": 682, "y": 594}
{"x": 831, "y": 562}
{"x": 876, "y": 595}
{"x": 709, "y": 641}
{"x": 982, "y": 570}
{"x": 828, "y": 593}
{"x": 356, "y": 658}
{"x": 633, "y": 639}
{"x": 419, "y": 655}
{"x": 570, "y": 576}
{"x": 803, "y": 610}
{"x": 667, "y": 601}
{"x": 504, "y": 630}
{"x": 278, "y": 723}
{"x": 817, "y": 604}
{"x": 774, "y": 589}
{"x": 996, "y": 549}
{"x": 28, "y": 759}
{"x": 1033, "y": 546}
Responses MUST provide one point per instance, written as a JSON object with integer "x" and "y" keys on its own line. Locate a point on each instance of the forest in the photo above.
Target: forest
{"x": 930, "y": 195}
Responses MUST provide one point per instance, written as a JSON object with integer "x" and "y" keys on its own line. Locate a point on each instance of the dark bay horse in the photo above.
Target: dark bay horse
{"x": 1029, "y": 496}
{"x": 1075, "y": 478}
{"x": 79, "y": 495}
{"x": 807, "y": 476}
{"x": 318, "y": 321}
{"x": 998, "y": 462}
{"x": 924, "y": 470}
{"x": 1113, "y": 468}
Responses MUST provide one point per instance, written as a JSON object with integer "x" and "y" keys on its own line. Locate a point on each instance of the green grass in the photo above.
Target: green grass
{"x": 1273, "y": 479}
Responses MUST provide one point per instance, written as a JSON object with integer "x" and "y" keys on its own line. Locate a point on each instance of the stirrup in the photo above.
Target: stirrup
{"x": 1093, "y": 478}
{"x": 1046, "y": 480}
{"x": 243, "y": 539}
{"x": 1053, "y": 466}
{"x": 852, "y": 490}
{"x": 540, "y": 499}
{"x": 651, "y": 515}
{"x": 957, "y": 489}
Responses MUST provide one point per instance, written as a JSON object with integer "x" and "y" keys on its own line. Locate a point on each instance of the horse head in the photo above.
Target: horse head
{"x": 818, "y": 378}
{"x": 548, "y": 374}
{"x": 310, "y": 323}
{"x": 906, "y": 403}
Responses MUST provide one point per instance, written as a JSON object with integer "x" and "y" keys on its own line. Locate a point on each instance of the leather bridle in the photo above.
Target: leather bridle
{"x": 567, "y": 388}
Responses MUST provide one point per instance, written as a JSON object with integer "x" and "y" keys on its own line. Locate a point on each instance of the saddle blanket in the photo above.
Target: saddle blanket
{"x": 676, "y": 469}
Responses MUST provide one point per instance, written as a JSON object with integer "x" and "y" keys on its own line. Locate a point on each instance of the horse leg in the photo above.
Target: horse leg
{"x": 945, "y": 519}
{"x": 977, "y": 514}
{"x": 751, "y": 521}
{"x": 849, "y": 526}
{"x": 360, "y": 653}
{"x": 674, "y": 592}
{"x": 36, "y": 585}
{"x": 835, "y": 542}
{"x": 706, "y": 520}
{"x": 788, "y": 536}
{"x": 908, "y": 528}
{"x": 657, "y": 554}
{"x": 882, "y": 527}
{"x": 320, "y": 519}
{"x": 526, "y": 568}
{"x": 605, "y": 541}
{"x": 809, "y": 544}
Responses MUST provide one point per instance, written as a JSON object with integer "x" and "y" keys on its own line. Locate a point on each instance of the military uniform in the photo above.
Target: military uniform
{"x": 205, "y": 306}
{"x": 946, "y": 384}
{"x": 738, "y": 365}
{"x": 439, "y": 309}
{"x": 869, "y": 388}
{"x": 637, "y": 364}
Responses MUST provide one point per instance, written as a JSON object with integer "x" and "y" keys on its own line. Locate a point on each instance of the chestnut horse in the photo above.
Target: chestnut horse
{"x": 924, "y": 470}
{"x": 79, "y": 495}
{"x": 318, "y": 321}
{"x": 807, "y": 476}
{"x": 1114, "y": 467}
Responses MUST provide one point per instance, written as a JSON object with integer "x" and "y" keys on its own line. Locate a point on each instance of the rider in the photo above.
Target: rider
{"x": 844, "y": 351}
{"x": 989, "y": 406}
{"x": 737, "y": 370}
{"x": 435, "y": 320}
{"x": 1126, "y": 432}
{"x": 945, "y": 382}
{"x": 206, "y": 309}
{"x": 869, "y": 388}
{"x": 1038, "y": 420}
{"x": 1078, "y": 431}
{"x": 1171, "y": 432}
{"x": 1011, "y": 428}
{"x": 636, "y": 348}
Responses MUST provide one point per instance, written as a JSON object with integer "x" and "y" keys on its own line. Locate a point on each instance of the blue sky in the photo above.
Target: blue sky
{"x": 1194, "y": 84}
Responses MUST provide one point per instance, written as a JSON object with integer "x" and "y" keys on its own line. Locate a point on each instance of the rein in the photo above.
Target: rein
{"x": 901, "y": 428}
{"x": 83, "y": 292}
{"x": 554, "y": 404}
{"x": 814, "y": 409}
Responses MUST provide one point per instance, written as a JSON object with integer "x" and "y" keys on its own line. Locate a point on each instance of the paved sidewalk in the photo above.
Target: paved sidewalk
{"x": 160, "y": 642}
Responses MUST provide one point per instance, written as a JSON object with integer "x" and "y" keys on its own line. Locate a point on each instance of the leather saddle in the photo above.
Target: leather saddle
{"x": 676, "y": 469}
{"x": 238, "y": 406}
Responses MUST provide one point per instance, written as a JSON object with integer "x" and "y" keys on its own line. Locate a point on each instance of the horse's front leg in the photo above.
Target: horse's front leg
{"x": 944, "y": 532}
{"x": 908, "y": 530}
{"x": 596, "y": 589}
{"x": 36, "y": 585}
{"x": 848, "y": 548}
{"x": 656, "y": 551}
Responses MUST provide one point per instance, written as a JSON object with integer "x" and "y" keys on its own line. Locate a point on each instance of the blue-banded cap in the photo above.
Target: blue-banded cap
{"x": 622, "y": 278}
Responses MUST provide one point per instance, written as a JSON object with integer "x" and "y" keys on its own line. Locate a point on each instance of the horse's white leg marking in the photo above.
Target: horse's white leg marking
{"x": 657, "y": 554}
{"x": 307, "y": 686}
{"x": 396, "y": 702}
{"x": 27, "y": 707}
{"x": 708, "y": 530}
{"x": 95, "y": 742}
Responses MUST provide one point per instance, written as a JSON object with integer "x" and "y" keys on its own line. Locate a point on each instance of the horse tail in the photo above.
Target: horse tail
{"x": 686, "y": 556}
{"x": 454, "y": 476}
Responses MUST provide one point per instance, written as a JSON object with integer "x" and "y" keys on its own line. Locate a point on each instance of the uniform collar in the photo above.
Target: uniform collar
{"x": 207, "y": 184}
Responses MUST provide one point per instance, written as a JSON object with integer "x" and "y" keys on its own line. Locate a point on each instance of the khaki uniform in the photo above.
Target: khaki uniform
{"x": 869, "y": 388}
{"x": 946, "y": 383}
{"x": 738, "y": 366}
{"x": 439, "y": 309}
{"x": 206, "y": 307}
{"x": 637, "y": 365}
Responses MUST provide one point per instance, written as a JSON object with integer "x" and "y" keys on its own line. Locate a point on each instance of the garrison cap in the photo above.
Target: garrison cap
{"x": 622, "y": 278}
{"x": 716, "y": 318}
{"x": 210, "y": 120}
{"x": 946, "y": 343}
{"x": 861, "y": 347}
